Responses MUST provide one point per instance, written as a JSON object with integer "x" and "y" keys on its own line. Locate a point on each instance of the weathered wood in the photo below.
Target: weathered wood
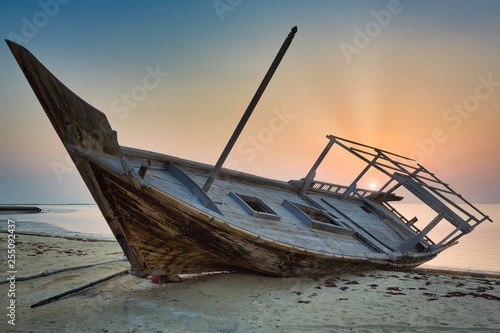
{"x": 201, "y": 195}
{"x": 72, "y": 291}
{"x": 77, "y": 124}
{"x": 367, "y": 236}
{"x": 421, "y": 193}
{"x": 312, "y": 173}
{"x": 166, "y": 224}
{"x": 143, "y": 169}
{"x": 484, "y": 217}
{"x": 67, "y": 269}
{"x": 354, "y": 183}
{"x": 410, "y": 243}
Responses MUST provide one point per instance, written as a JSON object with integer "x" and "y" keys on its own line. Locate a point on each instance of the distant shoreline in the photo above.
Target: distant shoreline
{"x": 47, "y": 204}
{"x": 4, "y": 209}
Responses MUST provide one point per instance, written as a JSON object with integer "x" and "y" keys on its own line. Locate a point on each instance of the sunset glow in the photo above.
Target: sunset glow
{"x": 421, "y": 79}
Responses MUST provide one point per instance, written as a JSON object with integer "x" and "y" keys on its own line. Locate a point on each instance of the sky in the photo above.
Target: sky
{"x": 418, "y": 78}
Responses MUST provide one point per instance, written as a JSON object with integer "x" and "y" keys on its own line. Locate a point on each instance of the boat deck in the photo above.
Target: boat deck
{"x": 285, "y": 226}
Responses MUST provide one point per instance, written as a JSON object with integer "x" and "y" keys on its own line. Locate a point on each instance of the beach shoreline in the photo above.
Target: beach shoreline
{"x": 423, "y": 269}
{"x": 420, "y": 300}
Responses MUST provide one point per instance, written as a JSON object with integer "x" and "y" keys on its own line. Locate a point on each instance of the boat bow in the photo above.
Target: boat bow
{"x": 87, "y": 136}
{"x": 76, "y": 122}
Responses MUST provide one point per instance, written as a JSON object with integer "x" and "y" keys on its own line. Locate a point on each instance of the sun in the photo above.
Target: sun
{"x": 373, "y": 185}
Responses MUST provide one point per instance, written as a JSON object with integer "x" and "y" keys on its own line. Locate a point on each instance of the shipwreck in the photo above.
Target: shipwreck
{"x": 174, "y": 216}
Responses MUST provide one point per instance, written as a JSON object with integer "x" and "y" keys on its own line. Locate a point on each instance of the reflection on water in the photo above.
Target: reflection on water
{"x": 477, "y": 251}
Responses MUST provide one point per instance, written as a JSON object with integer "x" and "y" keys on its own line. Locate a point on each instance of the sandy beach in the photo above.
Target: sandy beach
{"x": 368, "y": 301}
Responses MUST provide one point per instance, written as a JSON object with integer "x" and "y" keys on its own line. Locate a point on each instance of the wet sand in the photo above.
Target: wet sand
{"x": 369, "y": 301}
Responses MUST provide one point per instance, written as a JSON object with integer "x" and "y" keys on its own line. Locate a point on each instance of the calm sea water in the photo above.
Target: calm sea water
{"x": 478, "y": 251}
{"x": 62, "y": 220}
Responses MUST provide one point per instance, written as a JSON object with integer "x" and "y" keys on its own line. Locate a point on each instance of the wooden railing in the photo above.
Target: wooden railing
{"x": 340, "y": 189}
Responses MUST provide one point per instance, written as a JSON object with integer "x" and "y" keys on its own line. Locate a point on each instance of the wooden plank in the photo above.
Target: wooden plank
{"x": 409, "y": 244}
{"x": 397, "y": 225}
{"x": 367, "y": 236}
{"x": 312, "y": 173}
{"x": 431, "y": 201}
{"x": 337, "y": 138}
{"x": 192, "y": 187}
{"x": 331, "y": 228}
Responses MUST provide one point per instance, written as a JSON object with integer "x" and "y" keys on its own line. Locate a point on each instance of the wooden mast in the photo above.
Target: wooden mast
{"x": 250, "y": 109}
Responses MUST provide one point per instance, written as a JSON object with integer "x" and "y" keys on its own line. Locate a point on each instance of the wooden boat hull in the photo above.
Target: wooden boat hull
{"x": 171, "y": 226}
{"x": 187, "y": 240}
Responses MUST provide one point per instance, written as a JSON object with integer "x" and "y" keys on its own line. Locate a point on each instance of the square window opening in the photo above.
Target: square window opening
{"x": 319, "y": 215}
{"x": 317, "y": 218}
{"x": 255, "y": 206}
